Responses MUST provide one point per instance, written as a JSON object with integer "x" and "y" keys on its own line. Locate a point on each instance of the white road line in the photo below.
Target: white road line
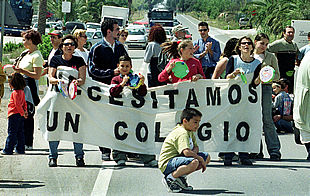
{"x": 103, "y": 179}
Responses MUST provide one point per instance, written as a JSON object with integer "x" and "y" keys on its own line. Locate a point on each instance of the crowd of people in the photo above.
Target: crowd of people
{"x": 108, "y": 62}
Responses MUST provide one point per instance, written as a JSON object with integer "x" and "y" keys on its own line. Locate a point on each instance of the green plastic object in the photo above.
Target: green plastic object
{"x": 180, "y": 70}
{"x": 243, "y": 77}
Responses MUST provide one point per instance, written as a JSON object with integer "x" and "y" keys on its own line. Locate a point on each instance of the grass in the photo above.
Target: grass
{"x": 12, "y": 55}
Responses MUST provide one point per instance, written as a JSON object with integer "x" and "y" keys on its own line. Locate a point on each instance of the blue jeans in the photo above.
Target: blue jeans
{"x": 78, "y": 149}
{"x": 176, "y": 162}
{"x": 271, "y": 136}
{"x": 15, "y": 135}
{"x": 284, "y": 125}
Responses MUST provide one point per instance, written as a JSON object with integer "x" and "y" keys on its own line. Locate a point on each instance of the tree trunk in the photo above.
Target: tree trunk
{"x": 42, "y": 16}
{"x": 129, "y": 7}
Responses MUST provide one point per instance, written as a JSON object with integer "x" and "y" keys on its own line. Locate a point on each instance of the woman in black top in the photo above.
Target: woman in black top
{"x": 68, "y": 45}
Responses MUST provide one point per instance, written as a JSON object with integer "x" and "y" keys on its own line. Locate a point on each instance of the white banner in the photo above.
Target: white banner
{"x": 231, "y": 121}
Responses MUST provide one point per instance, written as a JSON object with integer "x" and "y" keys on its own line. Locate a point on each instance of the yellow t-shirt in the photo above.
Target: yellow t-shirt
{"x": 174, "y": 144}
{"x": 29, "y": 61}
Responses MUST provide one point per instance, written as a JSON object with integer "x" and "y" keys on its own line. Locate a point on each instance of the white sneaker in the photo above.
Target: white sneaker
{"x": 105, "y": 157}
{"x": 181, "y": 181}
{"x": 28, "y": 148}
{"x": 121, "y": 162}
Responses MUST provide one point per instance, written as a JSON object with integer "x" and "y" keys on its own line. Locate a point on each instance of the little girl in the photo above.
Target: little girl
{"x": 17, "y": 112}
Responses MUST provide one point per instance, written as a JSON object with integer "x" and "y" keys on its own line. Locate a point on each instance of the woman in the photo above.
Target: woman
{"x": 157, "y": 36}
{"x": 30, "y": 64}
{"x": 81, "y": 38}
{"x": 271, "y": 137}
{"x": 181, "y": 51}
{"x": 68, "y": 46}
{"x": 229, "y": 50}
{"x": 245, "y": 61}
{"x": 123, "y": 34}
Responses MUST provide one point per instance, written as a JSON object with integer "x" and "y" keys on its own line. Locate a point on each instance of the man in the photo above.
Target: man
{"x": 103, "y": 59}
{"x": 178, "y": 33}
{"x": 286, "y": 52}
{"x": 207, "y": 50}
{"x": 304, "y": 50}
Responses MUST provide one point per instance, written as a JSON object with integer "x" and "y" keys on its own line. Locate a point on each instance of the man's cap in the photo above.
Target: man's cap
{"x": 178, "y": 28}
{"x": 56, "y": 32}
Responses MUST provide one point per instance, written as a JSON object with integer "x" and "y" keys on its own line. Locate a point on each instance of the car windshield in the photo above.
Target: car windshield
{"x": 72, "y": 25}
{"x": 93, "y": 26}
{"x": 136, "y": 32}
{"x": 89, "y": 34}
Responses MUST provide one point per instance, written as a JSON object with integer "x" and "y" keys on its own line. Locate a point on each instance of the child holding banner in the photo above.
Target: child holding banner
{"x": 17, "y": 112}
{"x": 181, "y": 51}
{"x": 180, "y": 154}
{"x": 118, "y": 83}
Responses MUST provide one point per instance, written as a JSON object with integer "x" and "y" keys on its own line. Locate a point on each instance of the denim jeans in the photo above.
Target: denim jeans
{"x": 78, "y": 149}
{"x": 15, "y": 135}
{"x": 271, "y": 136}
{"x": 284, "y": 125}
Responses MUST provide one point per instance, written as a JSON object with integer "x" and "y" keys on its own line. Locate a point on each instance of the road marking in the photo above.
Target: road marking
{"x": 103, "y": 179}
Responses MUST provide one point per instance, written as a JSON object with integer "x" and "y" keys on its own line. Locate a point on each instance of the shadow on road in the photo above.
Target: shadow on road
{"x": 20, "y": 184}
{"x": 211, "y": 192}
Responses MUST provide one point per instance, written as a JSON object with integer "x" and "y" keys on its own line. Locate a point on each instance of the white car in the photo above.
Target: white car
{"x": 137, "y": 36}
{"x": 92, "y": 25}
{"x": 93, "y": 36}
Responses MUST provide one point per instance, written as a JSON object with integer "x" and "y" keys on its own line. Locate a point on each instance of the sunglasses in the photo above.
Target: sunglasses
{"x": 244, "y": 43}
{"x": 124, "y": 35}
{"x": 69, "y": 44}
{"x": 201, "y": 30}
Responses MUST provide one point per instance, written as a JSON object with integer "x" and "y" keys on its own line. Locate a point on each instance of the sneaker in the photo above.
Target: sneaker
{"x": 5, "y": 153}
{"x": 152, "y": 163}
{"x": 28, "y": 147}
{"x": 52, "y": 162}
{"x": 245, "y": 162}
{"x": 275, "y": 158}
{"x": 228, "y": 162}
{"x": 171, "y": 185}
{"x": 105, "y": 156}
{"x": 79, "y": 162}
{"x": 121, "y": 162}
{"x": 183, "y": 184}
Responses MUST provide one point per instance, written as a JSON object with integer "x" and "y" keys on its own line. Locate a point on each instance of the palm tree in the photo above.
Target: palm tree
{"x": 42, "y": 16}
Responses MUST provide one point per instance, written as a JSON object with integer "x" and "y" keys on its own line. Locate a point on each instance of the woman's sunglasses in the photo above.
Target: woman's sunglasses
{"x": 69, "y": 44}
{"x": 124, "y": 35}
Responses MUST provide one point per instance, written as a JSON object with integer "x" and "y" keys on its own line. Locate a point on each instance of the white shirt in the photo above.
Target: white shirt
{"x": 83, "y": 54}
{"x": 110, "y": 45}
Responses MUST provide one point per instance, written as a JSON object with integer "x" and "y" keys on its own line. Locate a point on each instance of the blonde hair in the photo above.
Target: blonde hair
{"x": 78, "y": 32}
{"x": 123, "y": 31}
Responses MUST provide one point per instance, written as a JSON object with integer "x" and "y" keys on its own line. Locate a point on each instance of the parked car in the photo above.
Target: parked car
{"x": 137, "y": 36}
{"x": 93, "y": 36}
{"x": 245, "y": 22}
{"x": 92, "y": 25}
{"x": 71, "y": 26}
{"x": 48, "y": 27}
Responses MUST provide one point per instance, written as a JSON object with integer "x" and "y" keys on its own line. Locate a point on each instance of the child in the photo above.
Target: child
{"x": 283, "y": 107}
{"x": 17, "y": 111}
{"x": 118, "y": 83}
{"x": 180, "y": 154}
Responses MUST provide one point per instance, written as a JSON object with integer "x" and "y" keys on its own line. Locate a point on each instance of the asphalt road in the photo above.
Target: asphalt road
{"x": 29, "y": 174}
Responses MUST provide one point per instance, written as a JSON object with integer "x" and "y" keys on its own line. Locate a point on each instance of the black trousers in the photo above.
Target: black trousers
{"x": 29, "y": 130}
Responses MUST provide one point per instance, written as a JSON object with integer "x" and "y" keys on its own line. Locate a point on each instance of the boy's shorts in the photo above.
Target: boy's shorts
{"x": 176, "y": 162}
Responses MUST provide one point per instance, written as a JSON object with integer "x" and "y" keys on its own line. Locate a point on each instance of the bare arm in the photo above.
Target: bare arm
{"x": 220, "y": 68}
{"x": 189, "y": 153}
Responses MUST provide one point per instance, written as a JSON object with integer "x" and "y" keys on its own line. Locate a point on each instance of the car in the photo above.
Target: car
{"x": 92, "y": 25}
{"x": 57, "y": 25}
{"x": 245, "y": 22}
{"x": 71, "y": 26}
{"x": 48, "y": 27}
{"x": 93, "y": 36}
{"x": 188, "y": 34}
{"x": 176, "y": 22}
{"x": 137, "y": 36}
{"x": 169, "y": 33}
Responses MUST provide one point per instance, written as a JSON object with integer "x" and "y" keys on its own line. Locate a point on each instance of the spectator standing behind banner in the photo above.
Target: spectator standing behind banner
{"x": 17, "y": 112}
{"x": 208, "y": 51}
{"x": 249, "y": 64}
{"x": 181, "y": 51}
{"x": 286, "y": 51}
{"x": 103, "y": 59}
{"x": 68, "y": 46}
{"x": 118, "y": 83}
{"x": 30, "y": 64}
{"x": 301, "y": 112}
{"x": 157, "y": 36}
{"x": 81, "y": 38}
{"x": 179, "y": 155}
{"x": 268, "y": 59}
{"x": 123, "y": 34}
{"x": 229, "y": 50}
{"x": 178, "y": 33}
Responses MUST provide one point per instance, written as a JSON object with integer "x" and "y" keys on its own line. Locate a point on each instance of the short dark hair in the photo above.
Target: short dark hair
{"x": 69, "y": 36}
{"x": 238, "y": 51}
{"x": 261, "y": 36}
{"x": 203, "y": 24}
{"x": 189, "y": 113}
{"x": 108, "y": 24}
{"x": 17, "y": 81}
{"x": 281, "y": 83}
{"x": 125, "y": 58}
{"x": 288, "y": 27}
{"x": 32, "y": 35}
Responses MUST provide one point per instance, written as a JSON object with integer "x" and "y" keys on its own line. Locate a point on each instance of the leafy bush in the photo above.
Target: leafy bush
{"x": 46, "y": 46}
{"x": 10, "y": 46}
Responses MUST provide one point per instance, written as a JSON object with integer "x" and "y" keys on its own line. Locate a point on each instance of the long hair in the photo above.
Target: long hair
{"x": 230, "y": 46}
{"x": 173, "y": 49}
